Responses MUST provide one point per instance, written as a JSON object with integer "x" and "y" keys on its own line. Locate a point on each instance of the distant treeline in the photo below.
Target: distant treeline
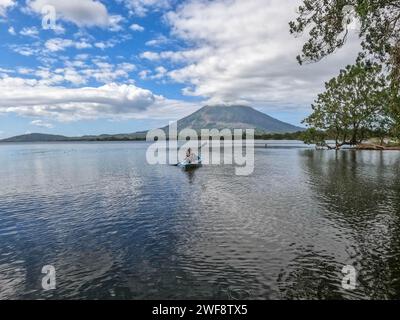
{"x": 258, "y": 136}
{"x": 280, "y": 136}
{"x": 35, "y": 137}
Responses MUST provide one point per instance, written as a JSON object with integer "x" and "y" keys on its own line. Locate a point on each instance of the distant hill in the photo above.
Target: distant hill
{"x": 36, "y": 137}
{"x": 208, "y": 117}
{"x": 114, "y": 137}
{"x": 234, "y": 117}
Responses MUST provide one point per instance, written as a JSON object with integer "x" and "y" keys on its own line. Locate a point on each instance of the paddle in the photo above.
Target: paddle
{"x": 175, "y": 165}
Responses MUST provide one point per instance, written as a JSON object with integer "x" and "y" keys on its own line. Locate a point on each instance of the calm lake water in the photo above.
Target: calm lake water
{"x": 117, "y": 228}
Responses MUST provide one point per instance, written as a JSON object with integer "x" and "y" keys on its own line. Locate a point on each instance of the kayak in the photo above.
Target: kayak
{"x": 190, "y": 165}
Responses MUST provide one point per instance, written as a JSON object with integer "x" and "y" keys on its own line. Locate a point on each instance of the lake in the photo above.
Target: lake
{"x": 116, "y": 228}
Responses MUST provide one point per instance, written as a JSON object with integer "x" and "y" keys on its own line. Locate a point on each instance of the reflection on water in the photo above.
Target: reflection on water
{"x": 115, "y": 227}
{"x": 361, "y": 191}
{"x": 191, "y": 174}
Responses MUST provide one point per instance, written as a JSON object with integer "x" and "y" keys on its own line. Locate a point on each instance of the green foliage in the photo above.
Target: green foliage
{"x": 279, "y": 136}
{"x": 314, "y": 136}
{"x": 328, "y": 23}
{"x": 393, "y": 109}
{"x": 348, "y": 110}
{"x": 352, "y": 107}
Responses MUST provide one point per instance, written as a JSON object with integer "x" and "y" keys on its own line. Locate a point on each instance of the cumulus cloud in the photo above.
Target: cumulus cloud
{"x": 158, "y": 73}
{"x": 83, "y": 13}
{"x": 11, "y": 31}
{"x": 106, "y": 44}
{"x": 78, "y": 71}
{"x": 142, "y": 7}
{"x": 59, "y": 44}
{"x": 242, "y": 52}
{"x": 5, "y": 5}
{"x": 29, "y": 97}
{"x": 136, "y": 27}
{"x": 115, "y": 22}
{"x": 158, "y": 41}
{"x": 26, "y": 50}
{"x": 229, "y": 51}
{"x": 29, "y": 32}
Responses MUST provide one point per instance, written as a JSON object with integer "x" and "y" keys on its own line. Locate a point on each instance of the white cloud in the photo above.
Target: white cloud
{"x": 144, "y": 74}
{"x": 59, "y": 44}
{"x": 105, "y": 44}
{"x": 242, "y": 52}
{"x": 43, "y": 124}
{"x": 136, "y": 27}
{"x": 160, "y": 40}
{"x": 5, "y": 5}
{"x": 29, "y": 32}
{"x": 58, "y": 29}
{"x": 83, "y": 13}
{"x": 11, "y": 31}
{"x": 82, "y": 56}
{"x": 159, "y": 73}
{"x": 127, "y": 67}
{"x": 25, "y": 71}
{"x": 29, "y": 97}
{"x": 78, "y": 72}
{"x": 142, "y": 7}
{"x": 83, "y": 44}
{"x": 6, "y": 71}
{"x": 24, "y": 51}
{"x": 105, "y": 72}
{"x": 115, "y": 23}
{"x": 150, "y": 55}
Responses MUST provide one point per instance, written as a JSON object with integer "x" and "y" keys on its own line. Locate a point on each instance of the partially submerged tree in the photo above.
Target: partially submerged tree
{"x": 350, "y": 108}
{"x": 393, "y": 109}
{"x": 328, "y": 23}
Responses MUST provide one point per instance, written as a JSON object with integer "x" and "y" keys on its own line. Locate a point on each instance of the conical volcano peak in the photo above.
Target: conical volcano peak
{"x": 222, "y": 116}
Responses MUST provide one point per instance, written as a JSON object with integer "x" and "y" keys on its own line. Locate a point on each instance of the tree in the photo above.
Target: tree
{"x": 329, "y": 21}
{"x": 393, "y": 109}
{"x": 351, "y": 107}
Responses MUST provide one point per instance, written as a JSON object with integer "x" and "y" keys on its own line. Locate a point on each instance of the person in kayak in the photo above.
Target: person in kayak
{"x": 190, "y": 156}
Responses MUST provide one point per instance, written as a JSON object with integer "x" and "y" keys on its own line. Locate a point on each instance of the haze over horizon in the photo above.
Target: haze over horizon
{"x": 129, "y": 65}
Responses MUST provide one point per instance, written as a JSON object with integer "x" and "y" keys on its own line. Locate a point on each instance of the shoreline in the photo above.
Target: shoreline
{"x": 374, "y": 147}
{"x": 360, "y": 147}
{"x": 119, "y": 140}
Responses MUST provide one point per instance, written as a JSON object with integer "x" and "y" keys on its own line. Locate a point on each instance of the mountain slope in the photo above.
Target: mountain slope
{"x": 36, "y": 137}
{"x": 208, "y": 117}
{"x": 235, "y": 117}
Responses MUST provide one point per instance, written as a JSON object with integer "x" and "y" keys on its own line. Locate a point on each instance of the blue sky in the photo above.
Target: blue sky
{"x": 120, "y": 66}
